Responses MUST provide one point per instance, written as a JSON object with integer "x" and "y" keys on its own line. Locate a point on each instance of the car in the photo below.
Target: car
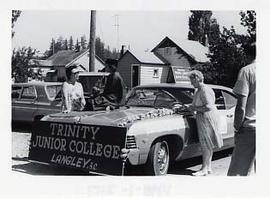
{"x": 155, "y": 135}
{"x": 33, "y": 100}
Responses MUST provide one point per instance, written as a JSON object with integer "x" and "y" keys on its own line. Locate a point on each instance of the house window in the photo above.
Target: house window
{"x": 155, "y": 73}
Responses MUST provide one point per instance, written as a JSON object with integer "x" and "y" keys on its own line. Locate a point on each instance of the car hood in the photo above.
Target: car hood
{"x": 119, "y": 117}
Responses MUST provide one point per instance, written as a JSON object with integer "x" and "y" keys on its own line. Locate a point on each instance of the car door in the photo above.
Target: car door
{"x": 225, "y": 102}
{"x": 24, "y": 106}
{"x": 185, "y": 96}
{"x": 230, "y": 103}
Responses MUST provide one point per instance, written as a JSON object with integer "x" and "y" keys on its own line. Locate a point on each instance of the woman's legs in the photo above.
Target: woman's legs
{"x": 208, "y": 160}
{"x": 207, "y": 154}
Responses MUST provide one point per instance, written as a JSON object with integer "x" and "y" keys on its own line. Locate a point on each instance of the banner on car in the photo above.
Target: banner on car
{"x": 91, "y": 148}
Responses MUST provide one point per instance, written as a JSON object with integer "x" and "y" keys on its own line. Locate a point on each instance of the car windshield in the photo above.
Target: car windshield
{"x": 53, "y": 91}
{"x": 159, "y": 98}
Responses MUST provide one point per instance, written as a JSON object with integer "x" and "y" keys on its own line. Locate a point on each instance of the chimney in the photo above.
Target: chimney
{"x": 122, "y": 50}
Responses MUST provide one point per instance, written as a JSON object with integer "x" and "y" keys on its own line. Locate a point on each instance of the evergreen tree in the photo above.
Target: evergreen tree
{"x": 50, "y": 51}
{"x": 70, "y": 43}
{"x": 99, "y": 50}
{"x": 65, "y": 45}
{"x": 59, "y": 44}
{"x": 77, "y": 46}
{"x": 83, "y": 42}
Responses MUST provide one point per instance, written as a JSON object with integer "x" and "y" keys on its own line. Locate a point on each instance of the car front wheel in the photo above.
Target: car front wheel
{"x": 158, "y": 159}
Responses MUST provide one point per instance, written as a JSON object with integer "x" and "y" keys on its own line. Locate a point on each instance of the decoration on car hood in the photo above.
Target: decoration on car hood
{"x": 149, "y": 115}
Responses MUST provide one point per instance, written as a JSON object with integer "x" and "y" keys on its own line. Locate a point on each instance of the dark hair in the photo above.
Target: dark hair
{"x": 250, "y": 50}
{"x": 68, "y": 71}
{"x": 111, "y": 63}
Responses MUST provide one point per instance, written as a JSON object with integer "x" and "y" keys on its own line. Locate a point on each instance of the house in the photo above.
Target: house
{"x": 54, "y": 68}
{"x": 168, "y": 62}
{"x": 141, "y": 68}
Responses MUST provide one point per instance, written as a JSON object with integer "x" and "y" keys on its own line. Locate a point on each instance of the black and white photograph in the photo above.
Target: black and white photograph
{"x": 134, "y": 102}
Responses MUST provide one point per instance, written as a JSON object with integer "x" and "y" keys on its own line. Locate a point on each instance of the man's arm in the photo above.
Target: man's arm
{"x": 239, "y": 114}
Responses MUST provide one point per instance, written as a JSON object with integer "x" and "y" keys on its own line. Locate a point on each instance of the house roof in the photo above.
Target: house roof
{"x": 193, "y": 48}
{"x": 145, "y": 56}
{"x": 65, "y": 57}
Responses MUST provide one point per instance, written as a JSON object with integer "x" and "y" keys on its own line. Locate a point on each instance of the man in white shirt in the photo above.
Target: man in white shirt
{"x": 245, "y": 117}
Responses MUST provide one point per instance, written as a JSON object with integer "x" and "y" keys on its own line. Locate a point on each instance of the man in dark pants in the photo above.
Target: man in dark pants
{"x": 113, "y": 93}
{"x": 243, "y": 156}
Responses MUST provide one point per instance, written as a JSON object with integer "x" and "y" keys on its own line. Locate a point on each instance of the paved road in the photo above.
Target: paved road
{"x": 20, "y": 164}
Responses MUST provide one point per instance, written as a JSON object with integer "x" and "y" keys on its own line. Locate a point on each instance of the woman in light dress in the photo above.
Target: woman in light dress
{"x": 207, "y": 119}
{"x": 73, "y": 96}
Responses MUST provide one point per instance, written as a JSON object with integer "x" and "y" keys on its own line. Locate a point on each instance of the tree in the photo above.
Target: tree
{"x": 248, "y": 19}
{"x": 70, "y": 43}
{"x": 100, "y": 51}
{"x": 15, "y": 16}
{"x": 59, "y": 44}
{"x": 83, "y": 42}
{"x": 227, "y": 58}
{"x": 22, "y": 65}
{"x": 77, "y": 46}
{"x": 51, "y": 50}
{"x": 199, "y": 26}
{"x": 226, "y": 54}
{"x": 65, "y": 45}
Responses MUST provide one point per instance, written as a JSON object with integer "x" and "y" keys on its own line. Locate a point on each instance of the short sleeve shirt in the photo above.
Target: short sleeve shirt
{"x": 246, "y": 86}
{"x": 73, "y": 92}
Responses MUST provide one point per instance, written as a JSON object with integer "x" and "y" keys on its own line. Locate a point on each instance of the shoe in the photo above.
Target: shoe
{"x": 209, "y": 171}
{"x": 200, "y": 173}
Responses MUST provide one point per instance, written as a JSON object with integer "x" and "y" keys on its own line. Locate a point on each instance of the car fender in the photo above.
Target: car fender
{"x": 148, "y": 131}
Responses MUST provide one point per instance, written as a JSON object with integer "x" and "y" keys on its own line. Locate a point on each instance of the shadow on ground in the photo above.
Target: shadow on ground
{"x": 182, "y": 167}
{"x": 42, "y": 169}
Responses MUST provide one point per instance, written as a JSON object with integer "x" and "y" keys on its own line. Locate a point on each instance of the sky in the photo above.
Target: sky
{"x": 137, "y": 30}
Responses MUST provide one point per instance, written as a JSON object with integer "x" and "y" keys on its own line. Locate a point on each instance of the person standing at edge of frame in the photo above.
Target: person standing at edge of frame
{"x": 208, "y": 120}
{"x": 243, "y": 156}
{"x": 73, "y": 96}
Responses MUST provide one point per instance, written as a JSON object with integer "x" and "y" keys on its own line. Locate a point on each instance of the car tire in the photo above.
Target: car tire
{"x": 158, "y": 159}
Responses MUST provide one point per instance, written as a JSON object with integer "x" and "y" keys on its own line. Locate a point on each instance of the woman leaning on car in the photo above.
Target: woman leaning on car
{"x": 207, "y": 119}
{"x": 73, "y": 97}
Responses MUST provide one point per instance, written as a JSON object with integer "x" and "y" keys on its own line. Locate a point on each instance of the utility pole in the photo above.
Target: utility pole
{"x": 92, "y": 41}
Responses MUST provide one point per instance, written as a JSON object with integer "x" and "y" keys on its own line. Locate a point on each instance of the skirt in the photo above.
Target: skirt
{"x": 209, "y": 129}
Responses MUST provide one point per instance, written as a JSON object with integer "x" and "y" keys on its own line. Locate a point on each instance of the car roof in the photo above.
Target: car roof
{"x": 181, "y": 85}
{"x": 37, "y": 83}
{"x": 93, "y": 74}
